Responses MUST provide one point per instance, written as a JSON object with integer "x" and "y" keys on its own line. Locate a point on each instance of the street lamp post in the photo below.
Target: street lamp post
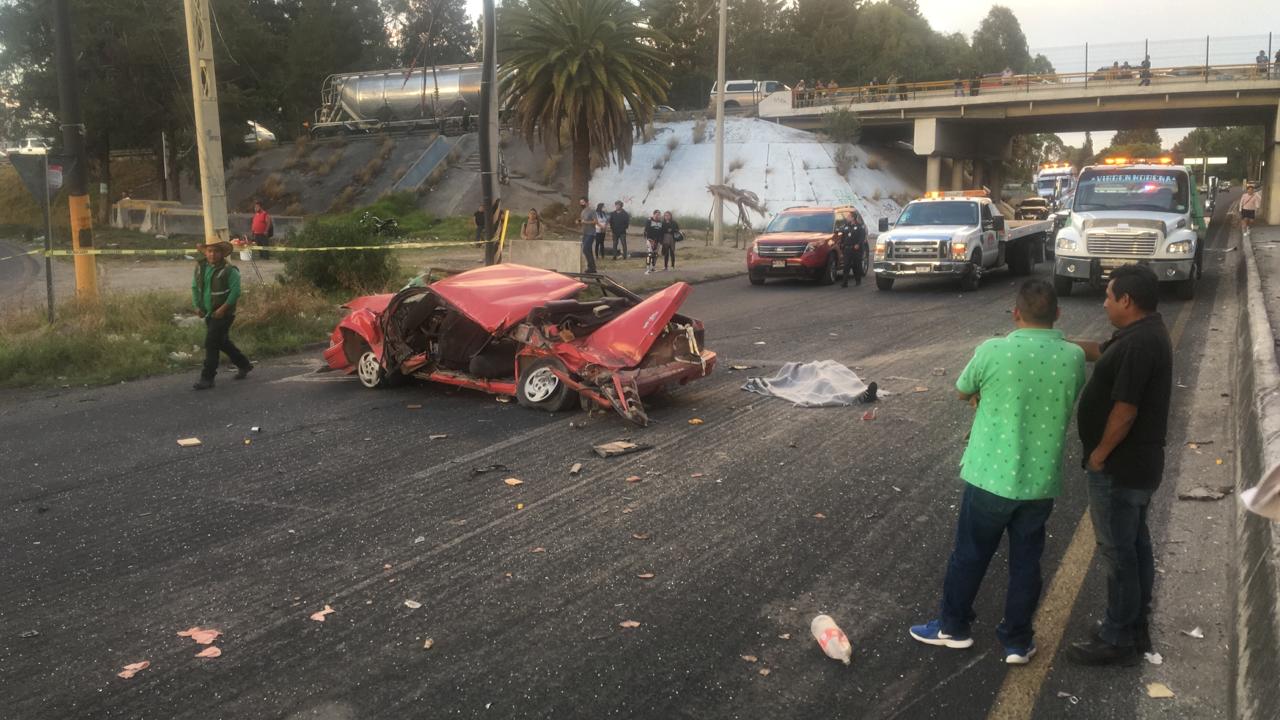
{"x": 718, "y": 224}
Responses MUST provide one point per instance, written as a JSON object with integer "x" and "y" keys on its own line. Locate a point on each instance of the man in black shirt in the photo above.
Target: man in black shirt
{"x": 852, "y": 234}
{"x": 619, "y": 219}
{"x": 1123, "y": 418}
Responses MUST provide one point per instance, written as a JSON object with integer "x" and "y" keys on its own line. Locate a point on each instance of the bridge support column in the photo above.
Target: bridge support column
{"x": 978, "y": 177}
{"x": 1271, "y": 183}
{"x": 933, "y": 173}
{"x": 957, "y": 174}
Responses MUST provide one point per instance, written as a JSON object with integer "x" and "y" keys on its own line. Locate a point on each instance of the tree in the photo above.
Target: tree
{"x": 1086, "y": 154}
{"x": 1243, "y": 147}
{"x": 999, "y": 43}
{"x": 431, "y": 32}
{"x": 1140, "y": 143}
{"x": 582, "y": 69}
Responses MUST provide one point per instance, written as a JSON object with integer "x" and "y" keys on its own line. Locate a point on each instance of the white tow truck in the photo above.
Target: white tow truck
{"x": 1132, "y": 211}
{"x": 958, "y": 234}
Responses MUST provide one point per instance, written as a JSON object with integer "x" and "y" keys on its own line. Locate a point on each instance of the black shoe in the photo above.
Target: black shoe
{"x": 1096, "y": 651}
{"x": 242, "y": 373}
{"x": 203, "y": 384}
{"x": 1142, "y": 639}
{"x": 869, "y": 395}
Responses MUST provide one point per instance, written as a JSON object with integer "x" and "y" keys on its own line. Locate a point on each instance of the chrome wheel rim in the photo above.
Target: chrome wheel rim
{"x": 541, "y": 385}
{"x": 369, "y": 369}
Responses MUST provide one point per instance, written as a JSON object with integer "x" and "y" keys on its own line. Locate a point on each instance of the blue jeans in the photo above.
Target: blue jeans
{"x": 588, "y": 247}
{"x": 1120, "y": 525}
{"x": 984, "y": 519}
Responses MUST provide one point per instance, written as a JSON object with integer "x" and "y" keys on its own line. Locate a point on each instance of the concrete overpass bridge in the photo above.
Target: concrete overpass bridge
{"x": 950, "y": 122}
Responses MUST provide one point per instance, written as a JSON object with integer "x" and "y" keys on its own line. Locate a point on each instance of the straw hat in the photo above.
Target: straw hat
{"x": 223, "y": 245}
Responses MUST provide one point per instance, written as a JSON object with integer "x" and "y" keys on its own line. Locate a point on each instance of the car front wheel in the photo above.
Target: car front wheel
{"x": 370, "y": 371}
{"x": 541, "y": 389}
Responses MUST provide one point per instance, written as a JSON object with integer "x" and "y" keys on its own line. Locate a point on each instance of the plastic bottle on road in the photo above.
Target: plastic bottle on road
{"x": 831, "y": 638}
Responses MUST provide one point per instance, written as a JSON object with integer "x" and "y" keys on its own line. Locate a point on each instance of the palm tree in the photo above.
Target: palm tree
{"x": 583, "y": 68}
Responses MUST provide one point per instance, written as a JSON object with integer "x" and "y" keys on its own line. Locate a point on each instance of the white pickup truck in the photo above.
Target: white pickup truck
{"x": 1132, "y": 211}
{"x": 957, "y": 234}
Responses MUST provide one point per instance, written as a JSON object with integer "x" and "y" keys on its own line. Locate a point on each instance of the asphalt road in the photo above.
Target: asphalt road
{"x": 115, "y": 538}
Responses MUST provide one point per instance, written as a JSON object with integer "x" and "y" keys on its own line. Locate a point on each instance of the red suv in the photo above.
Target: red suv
{"x": 799, "y": 242}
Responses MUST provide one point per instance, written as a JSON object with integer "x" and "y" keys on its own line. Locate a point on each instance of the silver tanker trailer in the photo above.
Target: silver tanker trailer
{"x": 445, "y": 98}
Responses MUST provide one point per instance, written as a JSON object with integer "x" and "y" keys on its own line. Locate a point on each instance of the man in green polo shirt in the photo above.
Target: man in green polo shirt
{"x": 1024, "y": 386}
{"x": 215, "y": 289}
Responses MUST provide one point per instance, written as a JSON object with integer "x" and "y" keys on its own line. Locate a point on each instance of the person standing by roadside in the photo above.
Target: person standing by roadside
{"x": 602, "y": 224}
{"x": 1145, "y": 72}
{"x": 1123, "y": 419}
{"x": 619, "y": 220}
{"x": 262, "y": 228}
{"x": 1250, "y": 203}
{"x": 479, "y": 220}
{"x": 670, "y": 231}
{"x": 653, "y": 240}
{"x": 852, "y": 234}
{"x": 532, "y": 228}
{"x": 215, "y": 289}
{"x": 1023, "y": 386}
{"x": 587, "y": 222}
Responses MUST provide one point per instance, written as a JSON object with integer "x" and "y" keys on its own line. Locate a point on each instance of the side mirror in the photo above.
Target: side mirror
{"x": 883, "y": 226}
{"x": 997, "y": 223}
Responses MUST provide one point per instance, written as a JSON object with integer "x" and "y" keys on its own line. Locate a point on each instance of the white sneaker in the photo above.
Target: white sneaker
{"x": 647, "y": 271}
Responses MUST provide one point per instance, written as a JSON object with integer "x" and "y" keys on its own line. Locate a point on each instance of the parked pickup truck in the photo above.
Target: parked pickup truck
{"x": 957, "y": 234}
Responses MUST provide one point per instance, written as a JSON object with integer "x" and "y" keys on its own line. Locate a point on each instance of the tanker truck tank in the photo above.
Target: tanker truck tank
{"x": 444, "y": 98}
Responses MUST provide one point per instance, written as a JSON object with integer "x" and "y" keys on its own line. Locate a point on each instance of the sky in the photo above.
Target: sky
{"x": 1116, "y": 31}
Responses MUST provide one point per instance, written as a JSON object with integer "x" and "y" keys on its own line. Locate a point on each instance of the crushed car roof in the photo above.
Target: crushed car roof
{"x": 500, "y": 296}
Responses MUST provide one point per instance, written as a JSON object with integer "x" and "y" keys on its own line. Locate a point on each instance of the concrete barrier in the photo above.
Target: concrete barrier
{"x": 558, "y": 255}
{"x": 1257, "y": 391}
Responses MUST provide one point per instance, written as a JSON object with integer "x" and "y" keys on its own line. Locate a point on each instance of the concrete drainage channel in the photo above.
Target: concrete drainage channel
{"x": 1257, "y": 389}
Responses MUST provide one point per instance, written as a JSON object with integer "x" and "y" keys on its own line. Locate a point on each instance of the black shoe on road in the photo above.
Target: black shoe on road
{"x": 203, "y": 384}
{"x": 242, "y": 373}
{"x": 869, "y": 395}
{"x": 1095, "y": 651}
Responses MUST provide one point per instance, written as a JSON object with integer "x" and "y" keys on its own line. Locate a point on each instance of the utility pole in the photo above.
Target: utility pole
{"x": 488, "y": 138}
{"x": 717, "y": 231}
{"x": 73, "y": 146}
{"x": 204, "y": 88}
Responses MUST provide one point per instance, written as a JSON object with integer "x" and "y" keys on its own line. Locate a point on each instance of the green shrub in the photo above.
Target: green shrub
{"x": 842, "y": 125}
{"x": 351, "y": 270}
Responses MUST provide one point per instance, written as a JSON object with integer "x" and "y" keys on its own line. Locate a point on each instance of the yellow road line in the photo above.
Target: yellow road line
{"x": 1022, "y": 686}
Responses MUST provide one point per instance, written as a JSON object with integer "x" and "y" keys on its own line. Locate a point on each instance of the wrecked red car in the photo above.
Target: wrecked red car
{"x": 549, "y": 339}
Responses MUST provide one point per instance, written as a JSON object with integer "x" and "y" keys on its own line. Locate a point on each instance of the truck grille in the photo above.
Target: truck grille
{"x": 780, "y": 251}
{"x": 908, "y": 249}
{"x": 1137, "y": 244}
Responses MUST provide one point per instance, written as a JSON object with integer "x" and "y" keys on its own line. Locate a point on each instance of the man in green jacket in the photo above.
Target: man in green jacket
{"x": 215, "y": 288}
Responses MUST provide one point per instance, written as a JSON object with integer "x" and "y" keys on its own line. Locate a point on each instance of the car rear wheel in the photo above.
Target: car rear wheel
{"x": 539, "y": 387}
{"x": 884, "y": 283}
{"x": 370, "y": 371}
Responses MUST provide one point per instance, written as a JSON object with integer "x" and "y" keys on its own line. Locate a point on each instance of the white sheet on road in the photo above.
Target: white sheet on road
{"x": 824, "y": 383}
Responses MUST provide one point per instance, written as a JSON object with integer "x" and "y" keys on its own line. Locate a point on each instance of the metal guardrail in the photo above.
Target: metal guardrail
{"x": 1003, "y": 86}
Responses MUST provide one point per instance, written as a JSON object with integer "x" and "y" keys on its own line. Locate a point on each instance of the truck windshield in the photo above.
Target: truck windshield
{"x": 814, "y": 222}
{"x": 1132, "y": 189}
{"x": 1049, "y": 183}
{"x": 939, "y": 213}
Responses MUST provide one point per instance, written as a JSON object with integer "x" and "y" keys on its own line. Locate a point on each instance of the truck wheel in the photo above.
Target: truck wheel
{"x": 828, "y": 274}
{"x": 755, "y": 278}
{"x": 1062, "y": 285}
{"x": 973, "y": 278}
{"x": 1019, "y": 257}
{"x": 1185, "y": 289}
{"x": 884, "y": 283}
{"x": 539, "y": 388}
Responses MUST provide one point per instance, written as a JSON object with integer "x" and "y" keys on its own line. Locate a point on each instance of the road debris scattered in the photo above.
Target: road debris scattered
{"x": 698, "y": 475}
{"x": 634, "y": 478}
{"x": 538, "y": 550}
{"x": 441, "y": 436}
{"x": 1069, "y": 697}
{"x": 419, "y": 539}
{"x": 210, "y": 652}
{"x": 750, "y": 658}
{"x": 831, "y": 639}
{"x": 820, "y": 516}
{"x": 487, "y": 468}
{"x": 1154, "y": 658}
{"x": 1198, "y": 444}
{"x": 869, "y": 415}
{"x": 939, "y": 371}
{"x": 646, "y": 576}
{"x": 1203, "y": 492}
{"x": 412, "y": 604}
{"x": 187, "y": 442}
{"x": 414, "y": 406}
{"x": 1195, "y": 632}
{"x": 619, "y": 447}
{"x": 743, "y": 367}
{"x": 761, "y": 342}
{"x": 428, "y": 644}
{"x": 1159, "y": 691}
{"x": 203, "y": 636}
{"x": 28, "y": 633}
{"x": 575, "y": 468}
{"x": 255, "y": 429}
{"x": 695, "y": 421}
{"x": 319, "y": 616}
{"x": 513, "y": 481}
{"x": 519, "y": 506}
{"x": 503, "y": 399}
{"x": 1218, "y": 461}
{"x": 920, "y": 389}
{"x": 133, "y": 669}
{"x": 784, "y": 636}
{"x": 639, "y": 536}
{"x": 628, "y": 624}
{"x": 765, "y": 671}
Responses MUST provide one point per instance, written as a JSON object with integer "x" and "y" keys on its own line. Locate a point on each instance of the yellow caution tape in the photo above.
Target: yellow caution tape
{"x": 255, "y": 248}
{"x": 20, "y": 255}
